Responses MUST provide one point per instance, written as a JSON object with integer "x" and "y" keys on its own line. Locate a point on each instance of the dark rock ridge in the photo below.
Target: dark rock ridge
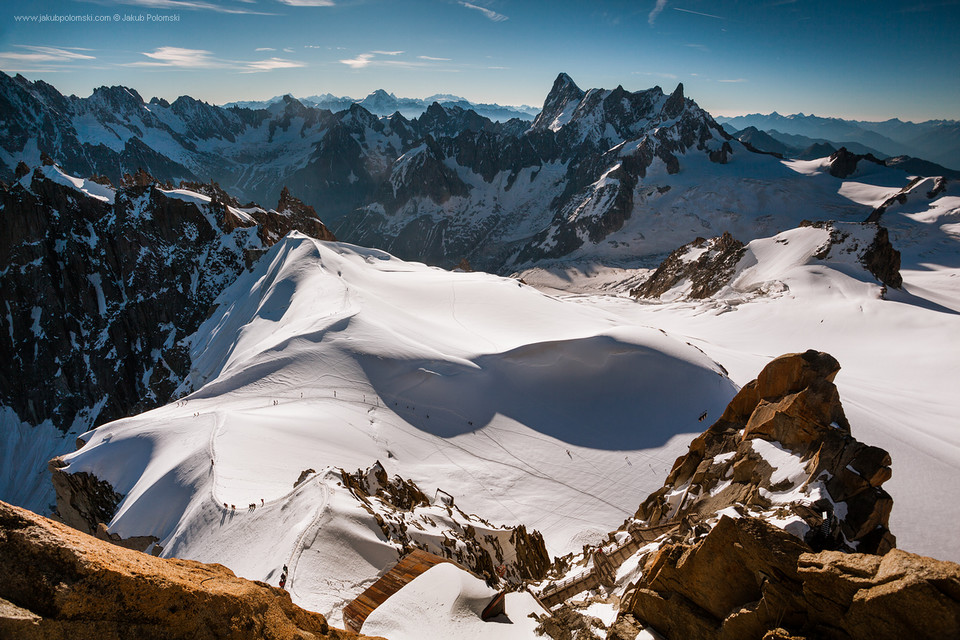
{"x": 99, "y": 290}
{"x": 56, "y": 582}
{"x": 873, "y": 250}
{"x": 844, "y": 163}
{"x": 707, "y": 264}
{"x": 579, "y": 164}
{"x": 702, "y": 268}
{"x": 403, "y": 512}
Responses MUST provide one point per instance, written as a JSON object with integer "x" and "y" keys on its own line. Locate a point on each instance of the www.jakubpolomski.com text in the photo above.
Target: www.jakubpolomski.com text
{"x": 89, "y": 17}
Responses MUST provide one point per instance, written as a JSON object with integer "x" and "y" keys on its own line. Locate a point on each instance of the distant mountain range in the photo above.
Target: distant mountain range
{"x": 934, "y": 140}
{"x": 381, "y": 103}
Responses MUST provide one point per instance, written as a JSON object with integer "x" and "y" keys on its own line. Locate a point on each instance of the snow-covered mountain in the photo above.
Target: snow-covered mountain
{"x": 334, "y": 161}
{"x": 288, "y": 400}
{"x": 382, "y": 103}
{"x": 100, "y": 286}
{"x": 933, "y": 140}
{"x": 607, "y": 175}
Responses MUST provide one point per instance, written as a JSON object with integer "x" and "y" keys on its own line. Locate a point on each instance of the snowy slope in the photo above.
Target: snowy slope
{"x": 524, "y": 407}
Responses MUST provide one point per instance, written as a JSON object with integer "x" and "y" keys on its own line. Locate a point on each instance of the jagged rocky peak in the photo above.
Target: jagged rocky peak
{"x": 772, "y": 526}
{"x": 564, "y": 92}
{"x": 782, "y": 451}
{"x": 673, "y": 107}
{"x": 119, "y": 99}
{"x": 56, "y": 582}
{"x": 705, "y": 266}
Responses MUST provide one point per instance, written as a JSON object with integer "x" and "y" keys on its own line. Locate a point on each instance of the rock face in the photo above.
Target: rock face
{"x": 747, "y": 578}
{"x": 707, "y": 264}
{"x": 56, "y": 582}
{"x": 101, "y": 284}
{"x": 782, "y": 450}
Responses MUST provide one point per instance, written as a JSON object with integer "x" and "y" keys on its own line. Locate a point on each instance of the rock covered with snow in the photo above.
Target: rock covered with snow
{"x": 408, "y": 518}
{"x": 706, "y": 265}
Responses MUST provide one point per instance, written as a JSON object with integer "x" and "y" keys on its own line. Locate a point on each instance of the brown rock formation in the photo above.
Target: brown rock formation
{"x": 748, "y": 579}
{"x": 56, "y": 582}
{"x": 833, "y": 480}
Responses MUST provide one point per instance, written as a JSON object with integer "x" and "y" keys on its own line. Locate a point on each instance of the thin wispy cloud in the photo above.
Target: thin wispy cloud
{"x": 699, "y": 13}
{"x": 734, "y": 80}
{"x": 698, "y": 47}
{"x": 656, "y": 11}
{"x": 308, "y": 3}
{"x": 35, "y": 58}
{"x": 182, "y": 58}
{"x": 264, "y": 49}
{"x": 489, "y": 13}
{"x": 191, "y": 5}
{"x": 371, "y": 58}
{"x": 270, "y": 64}
{"x": 359, "y": 62}
{"x": 179, "y": 57}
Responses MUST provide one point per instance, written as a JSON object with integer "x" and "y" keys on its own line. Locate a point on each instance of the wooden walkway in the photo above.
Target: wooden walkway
{"x": 605, "y": 565}
{"x": 409, "y": 567}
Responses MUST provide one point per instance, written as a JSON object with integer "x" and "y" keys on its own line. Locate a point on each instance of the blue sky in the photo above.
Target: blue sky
{"x": 870, "y": 59}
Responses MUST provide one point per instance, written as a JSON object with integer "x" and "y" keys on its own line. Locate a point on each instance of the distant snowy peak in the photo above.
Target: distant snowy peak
{"x": 383, "y": 103}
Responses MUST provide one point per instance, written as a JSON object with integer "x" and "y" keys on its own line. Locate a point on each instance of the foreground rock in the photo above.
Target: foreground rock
{"x": 747, "y": 577}
{"x": 56, "y": 582}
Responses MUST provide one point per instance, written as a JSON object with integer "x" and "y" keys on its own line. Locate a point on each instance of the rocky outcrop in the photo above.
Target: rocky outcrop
{"x": 867, "y": 243}
{"x": 747, "y": 578}
{"x": 844, "y": 163}
{"x": 408, "y": 518}
{"x": 56, "y": 582}
{"x": 782, "y": 450}
{"x": 708, "y": 265}
{"x": 83, "y": 501}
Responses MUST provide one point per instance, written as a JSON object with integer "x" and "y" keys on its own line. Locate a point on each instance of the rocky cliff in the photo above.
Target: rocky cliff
{"x": 56, "y": 582}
